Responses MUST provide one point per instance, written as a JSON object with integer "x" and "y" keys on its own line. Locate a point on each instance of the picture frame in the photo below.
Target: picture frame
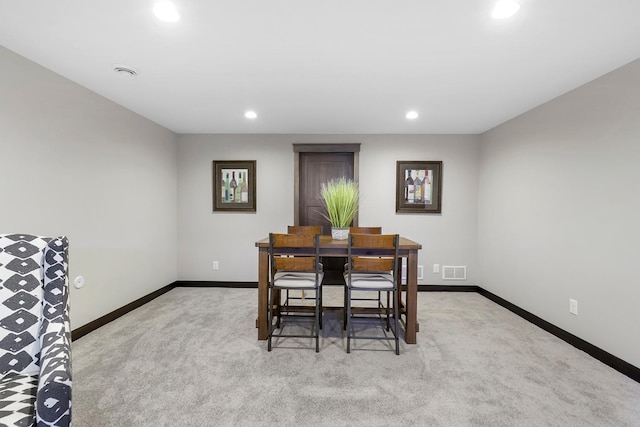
{"x": 234, "y": 185}
{"x": 420, "y": 198}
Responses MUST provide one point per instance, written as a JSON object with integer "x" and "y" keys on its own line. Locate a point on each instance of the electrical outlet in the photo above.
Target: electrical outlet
{"x": 420, "y": 272}
{"x": 573, "y": 306}
{"x": 216, "y": 266}
{"x": 436, "y": 268}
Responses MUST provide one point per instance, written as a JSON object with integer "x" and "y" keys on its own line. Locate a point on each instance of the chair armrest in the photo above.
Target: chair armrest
{"x": 53, "y": 400}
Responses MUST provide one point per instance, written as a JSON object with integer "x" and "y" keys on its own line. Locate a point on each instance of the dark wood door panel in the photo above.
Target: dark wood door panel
{"x": 313, "y": 216}
{"x": 315, "y": 169}
{"x": 318, "y": 172}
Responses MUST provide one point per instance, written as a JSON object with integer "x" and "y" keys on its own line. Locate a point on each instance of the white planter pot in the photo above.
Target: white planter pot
{"x": 339, "y": 233}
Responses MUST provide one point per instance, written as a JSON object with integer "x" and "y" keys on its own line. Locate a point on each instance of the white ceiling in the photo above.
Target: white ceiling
{"x": 326, "y": 66}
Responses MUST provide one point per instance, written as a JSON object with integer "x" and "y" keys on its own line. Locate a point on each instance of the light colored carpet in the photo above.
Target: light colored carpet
{"x": 191, "y": 358}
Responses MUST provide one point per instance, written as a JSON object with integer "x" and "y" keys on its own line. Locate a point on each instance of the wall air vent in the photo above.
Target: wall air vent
{"x": 454, "y": 272}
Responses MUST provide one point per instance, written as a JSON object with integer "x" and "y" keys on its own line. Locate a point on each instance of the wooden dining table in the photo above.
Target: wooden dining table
{"x": 338, "y": 248}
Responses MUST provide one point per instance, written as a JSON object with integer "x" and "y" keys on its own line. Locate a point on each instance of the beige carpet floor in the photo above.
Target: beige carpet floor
{"x": 191, "y": 358}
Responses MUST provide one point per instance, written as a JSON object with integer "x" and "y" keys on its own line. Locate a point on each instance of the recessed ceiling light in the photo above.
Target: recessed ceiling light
{"x": 412, "y": 115}
{"x": 505, "y": 9}
{"x": 166, "y": 11}
{"x": 250, "y": 115}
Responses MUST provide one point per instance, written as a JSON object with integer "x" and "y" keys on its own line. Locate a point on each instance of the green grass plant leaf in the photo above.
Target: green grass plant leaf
{"x": 341, "y": 197}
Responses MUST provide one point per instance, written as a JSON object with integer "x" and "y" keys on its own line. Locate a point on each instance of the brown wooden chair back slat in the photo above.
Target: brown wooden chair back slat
{"x": 365, "y": 230}
{"x": 372, "y": 264}
{"x": 386, "y": 242}
{"x": 305, "y": 229}
{"x": 373, "y": 241}
{"x": 279, "y": 241}
{"x": 295, "y": 263}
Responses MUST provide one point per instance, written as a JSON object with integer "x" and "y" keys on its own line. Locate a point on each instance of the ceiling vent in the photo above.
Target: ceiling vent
{"x": 125, "y": 71}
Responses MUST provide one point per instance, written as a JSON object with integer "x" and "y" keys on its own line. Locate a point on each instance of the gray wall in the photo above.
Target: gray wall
{"x": 229, "y": 238}
{"x": 541, "y": 209}
{"x": 74, "y": 163}
{"x": 559, "y": 207}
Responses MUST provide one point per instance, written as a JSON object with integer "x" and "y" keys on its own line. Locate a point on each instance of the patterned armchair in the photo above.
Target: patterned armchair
{"x": 35, "y": 339}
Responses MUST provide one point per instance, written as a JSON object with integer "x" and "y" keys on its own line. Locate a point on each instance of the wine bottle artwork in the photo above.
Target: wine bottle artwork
{"x": 427, "y": 190}
{"x": 409, "y": 188}
{"x": 233, "y": 185}
{"x": 226, "y": 188}
{"x": 244, "y": 189}
{"x": 238, "y": 188}
{"x": 222, "y": 192}
{"x": 241, "y": 191}
{"x": 417, "y": 184}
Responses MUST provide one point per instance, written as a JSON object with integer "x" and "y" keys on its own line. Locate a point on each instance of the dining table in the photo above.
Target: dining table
{"x": 338, "y": 248}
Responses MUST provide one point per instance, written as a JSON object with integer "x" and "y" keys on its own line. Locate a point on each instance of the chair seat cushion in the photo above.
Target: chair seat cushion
{"x": 17, "y": 400}
{"x": 289, "y": 274}
{"x": 296, "y": 280}
{"x": 380, "y": 274}
{"x": 377, "y": 281}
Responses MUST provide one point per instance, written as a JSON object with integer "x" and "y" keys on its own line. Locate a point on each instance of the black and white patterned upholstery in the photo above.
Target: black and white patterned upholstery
{"x": 35, "y": 339}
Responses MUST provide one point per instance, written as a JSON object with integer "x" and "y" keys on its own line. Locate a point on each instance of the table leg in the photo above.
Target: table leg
{"x": 263, "y": 293}
{"x": 412, "y": 298}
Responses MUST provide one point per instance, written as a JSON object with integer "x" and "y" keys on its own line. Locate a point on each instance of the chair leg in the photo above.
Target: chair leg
{"x": 270, "y": 317}
{"x": 277, "y": 293}
{"x": 395, "y": 317}
{"x": 388, "y": 311}
{"x": 348, "y": 311}
{"x": 319, "y": 295}
{"x": 344, "y": 312}
{"x": 318, "y": 317}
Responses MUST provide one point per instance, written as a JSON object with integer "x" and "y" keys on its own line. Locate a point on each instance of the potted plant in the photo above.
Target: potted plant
{"x": 340, "y": 197}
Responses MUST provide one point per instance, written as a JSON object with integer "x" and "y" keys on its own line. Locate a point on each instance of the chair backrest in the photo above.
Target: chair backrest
{"x": 33, "y": 290}
{"x": 294, "y": 252}
{"x": 373, "y": 253}
{"x": 304, "y": 229}
{"x": 365, "y": 230}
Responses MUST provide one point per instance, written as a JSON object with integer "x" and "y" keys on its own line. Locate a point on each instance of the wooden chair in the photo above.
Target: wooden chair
{"x": 362, "y": 230}
{"x": 378, "y": 273}
{"x": 292, "y": 270}
{"x": 302, "y": 229}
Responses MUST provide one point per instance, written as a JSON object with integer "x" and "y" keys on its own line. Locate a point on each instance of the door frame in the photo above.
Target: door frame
{"x": 320, "y": 148}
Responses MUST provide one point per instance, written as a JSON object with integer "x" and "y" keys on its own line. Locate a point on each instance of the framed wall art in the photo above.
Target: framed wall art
{"x": 234, "y": 185}
{"x": 419, "y": 187}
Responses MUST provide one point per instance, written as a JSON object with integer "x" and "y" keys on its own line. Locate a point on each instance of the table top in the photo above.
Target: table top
{"x": 326, "y": 242}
